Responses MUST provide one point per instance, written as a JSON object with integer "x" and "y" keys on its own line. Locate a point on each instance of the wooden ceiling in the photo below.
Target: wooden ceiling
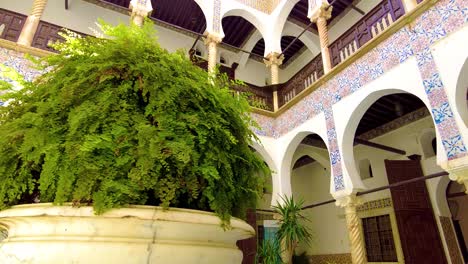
{"x": 188, "y": 15}
{"x": 299, "y": 12}
{"x": 259, "y": 48}
{"x": 386, "y": 109}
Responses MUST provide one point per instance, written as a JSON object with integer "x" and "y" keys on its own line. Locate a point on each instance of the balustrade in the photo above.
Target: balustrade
{"x": 11, "y": 24}
{"x": 301, "y": 80}
{"x": 46, "y": 34}
{"x": 372, "y": 24}
{"x": 259, "y": 97}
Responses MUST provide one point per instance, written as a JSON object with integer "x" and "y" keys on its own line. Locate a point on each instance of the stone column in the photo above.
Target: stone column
{"x": 274, "y": 60}
{"x": 32, "y": 22}
{"x": 409, "y": 5}
{"x": 140, "y": 10}
{"x": 211, "y": 41}
{"x": 320, "y": 17}
{"x": 353, "y": 224}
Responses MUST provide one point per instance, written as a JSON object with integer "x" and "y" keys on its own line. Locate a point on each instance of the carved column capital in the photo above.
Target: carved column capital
{"x": 212, "y": 38}
{"x": 458, "y": 170}
{"x": 140, "y": 10}
{"x": 323, "y": 11}
{"x": 349, "y": 201}
{"x": 273, "y": 58}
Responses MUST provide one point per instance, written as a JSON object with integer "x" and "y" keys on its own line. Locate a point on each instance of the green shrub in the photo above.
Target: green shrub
{"x": 121, "y": 121}
{"x": 269, "y": 252}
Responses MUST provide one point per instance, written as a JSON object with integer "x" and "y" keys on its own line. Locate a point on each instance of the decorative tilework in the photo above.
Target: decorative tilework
{"x": 443, "y": 18}
{"x": 375, "y": 204}
{"x": 18, "y": 62}
{"x": 331, "y": 258}
{"x": 451, "y": 240}
{"x": 217, "y": 16}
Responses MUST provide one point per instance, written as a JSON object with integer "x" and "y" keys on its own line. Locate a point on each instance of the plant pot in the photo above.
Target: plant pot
{"x": 44, "y": 233}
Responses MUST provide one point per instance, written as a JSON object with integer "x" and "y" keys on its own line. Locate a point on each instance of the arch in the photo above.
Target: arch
{"x": 462, "y": 92}
{"x": 249, "y": 45}
{"x": 206, "y": 7}
{"x": 323, "y": 161}
{"x": 254, "y": 19}
{"x": 289, "y": 154}
{"x": 348, "y": 135}
{"x": 441, "y": 198}
{"x": 264, "y": 154}
{"x": 279, "y": 18}
{"x": 310, "y": 40}
{"x": 270, "y": 163}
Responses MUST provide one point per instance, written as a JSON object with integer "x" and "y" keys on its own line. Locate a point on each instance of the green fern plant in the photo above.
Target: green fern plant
{"x": 292, "y": 229}
{"x": 121, "y": 121}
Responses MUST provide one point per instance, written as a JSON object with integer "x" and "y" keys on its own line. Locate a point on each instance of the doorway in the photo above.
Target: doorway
{"x": 457, "y": 200}
{"x": 419, "y": 235}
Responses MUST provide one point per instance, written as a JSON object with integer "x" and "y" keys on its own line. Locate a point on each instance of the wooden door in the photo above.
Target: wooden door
{"x": 419, "y": 235}
{"x": 249, "y": 246}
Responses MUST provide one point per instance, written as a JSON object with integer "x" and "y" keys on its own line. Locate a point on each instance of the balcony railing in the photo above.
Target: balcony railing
{"x": 373, "y": 23}
{"x": 48, "y": 33}
{"x": 301, "y": 80}
{"x": 259, "y": 97}
{"x": 11, "y": 24}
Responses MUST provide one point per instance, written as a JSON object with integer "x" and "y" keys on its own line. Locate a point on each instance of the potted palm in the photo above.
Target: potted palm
{"x": 292, "y": 229}
{"x": 109, "y": 140}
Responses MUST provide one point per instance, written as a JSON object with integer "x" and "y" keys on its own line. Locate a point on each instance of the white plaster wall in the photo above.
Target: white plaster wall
{"x": 254, "y": 72}
{"x": 311, "y": 183}
{"x": 81, "y": 16}
{"x": 451, "y": 57}
{"x": 296, "y": 65}
{"x": 342, "y": 24}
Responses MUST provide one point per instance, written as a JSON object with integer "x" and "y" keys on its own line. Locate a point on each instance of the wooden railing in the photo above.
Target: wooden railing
{"x": 259, "y": 97}
{"x": 301, "y": 80}
{"x": 374, "y": 22}
{"x": 46, "y": 34}
{"x": 11, "y": 24}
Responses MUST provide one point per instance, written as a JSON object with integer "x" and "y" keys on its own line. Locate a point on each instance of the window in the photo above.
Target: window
{"x": 380, "y": 245}
{"x": 365, "y": 169}
{"x": 222, "y": 60}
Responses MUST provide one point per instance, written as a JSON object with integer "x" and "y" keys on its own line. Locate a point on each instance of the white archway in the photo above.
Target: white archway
{"x": 256, "y": 18}
{"x": 461, "y": 93}
{"x": 269, "y": 161}
{"x": 311, "y": 41}
{"x": 289, "y": 156}
{"x": 347, "y": 145}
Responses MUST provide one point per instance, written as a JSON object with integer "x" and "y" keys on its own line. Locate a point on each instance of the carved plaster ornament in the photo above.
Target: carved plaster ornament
{"x": 211, "y": 37}
{"x": 274, "y": 58}
{"x": 141, "y": 7}
{"x": 458, "y": 170}
{"x": 319, "y": 8}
